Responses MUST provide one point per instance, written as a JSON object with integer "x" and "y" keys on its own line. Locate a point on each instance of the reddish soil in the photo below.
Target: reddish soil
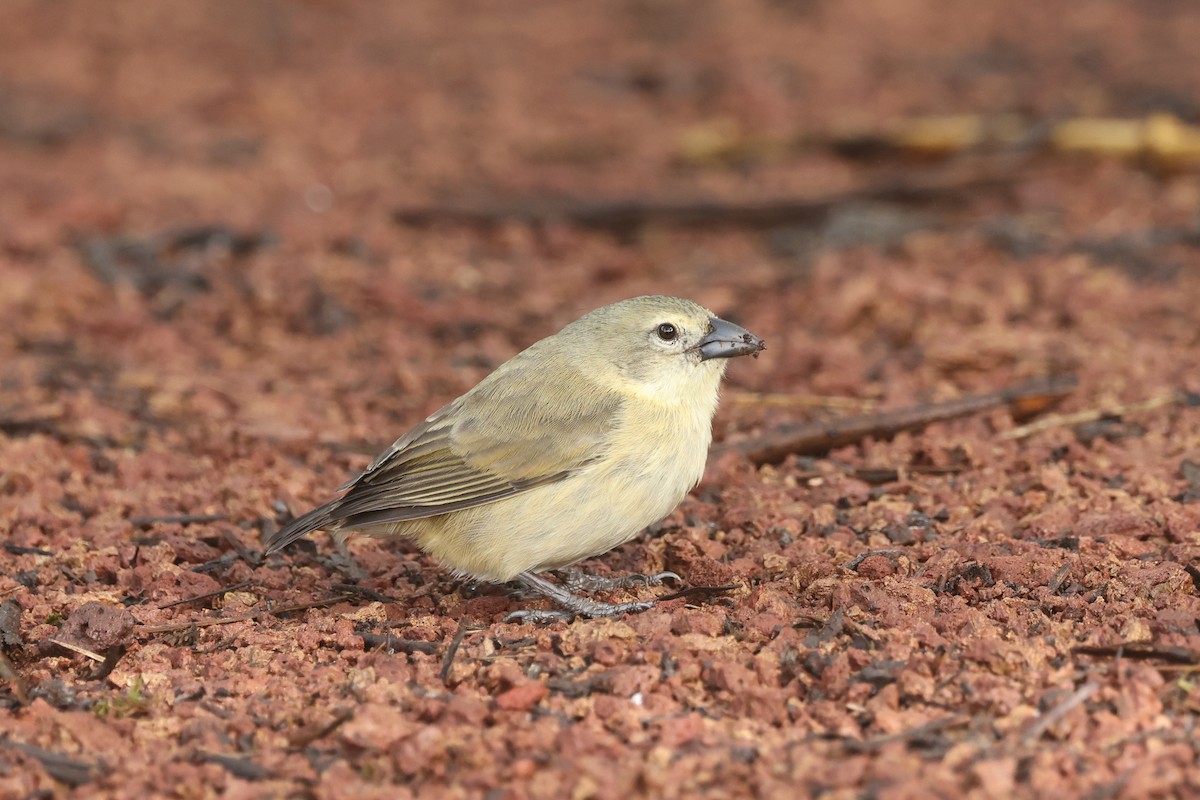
{"x": 211, "y": 319}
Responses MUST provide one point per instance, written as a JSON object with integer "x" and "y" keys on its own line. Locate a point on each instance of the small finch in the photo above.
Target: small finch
{"x": 567, "y": 450}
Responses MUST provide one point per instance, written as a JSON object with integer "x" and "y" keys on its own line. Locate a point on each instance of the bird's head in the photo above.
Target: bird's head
{"x": 660, "y": 346}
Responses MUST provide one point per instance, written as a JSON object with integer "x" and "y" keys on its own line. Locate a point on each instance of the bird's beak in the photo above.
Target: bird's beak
{"x": 727, "y": 340}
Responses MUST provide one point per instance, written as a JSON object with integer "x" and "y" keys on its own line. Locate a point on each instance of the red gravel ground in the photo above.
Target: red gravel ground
{"x": 211, "y": 318}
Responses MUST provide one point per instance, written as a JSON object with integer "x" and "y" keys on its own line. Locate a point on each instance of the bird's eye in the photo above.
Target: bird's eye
{"x": 667, "y": 332}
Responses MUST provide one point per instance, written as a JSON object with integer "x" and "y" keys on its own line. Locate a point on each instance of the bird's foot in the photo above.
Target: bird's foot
{"x": 576, "y": 580}
{"x": 571, "y": 605}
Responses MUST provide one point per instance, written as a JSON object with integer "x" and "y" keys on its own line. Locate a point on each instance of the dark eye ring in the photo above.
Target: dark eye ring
{"x": 667, "y": 332}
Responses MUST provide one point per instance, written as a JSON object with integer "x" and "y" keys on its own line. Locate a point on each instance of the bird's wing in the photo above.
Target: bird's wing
{"x": 511, "y": 433}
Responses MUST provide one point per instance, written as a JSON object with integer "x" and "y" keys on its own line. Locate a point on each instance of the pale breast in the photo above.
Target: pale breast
{"x": 656, "y": 455}
{"x": 613, "y": 501}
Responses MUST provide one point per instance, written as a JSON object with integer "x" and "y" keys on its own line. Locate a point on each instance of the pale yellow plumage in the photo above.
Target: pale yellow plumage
{"x": 567, "y": 450}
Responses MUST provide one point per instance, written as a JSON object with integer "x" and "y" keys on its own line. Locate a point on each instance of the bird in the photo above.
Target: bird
{"x": 567, "y": 450}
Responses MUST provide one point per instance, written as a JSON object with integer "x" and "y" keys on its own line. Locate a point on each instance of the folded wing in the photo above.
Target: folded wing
{"x": 516, "y": 430}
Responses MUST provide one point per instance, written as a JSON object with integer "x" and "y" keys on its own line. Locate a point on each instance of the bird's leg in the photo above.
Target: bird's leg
{"x": 573, "y": 605}
{"x": 576, "y": 580}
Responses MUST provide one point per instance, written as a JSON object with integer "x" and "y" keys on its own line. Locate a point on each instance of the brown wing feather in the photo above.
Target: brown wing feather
{"x": 516, "y": 430}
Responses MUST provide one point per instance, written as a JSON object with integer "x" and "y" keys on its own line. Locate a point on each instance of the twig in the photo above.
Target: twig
{"x": 181, "y": 519}
{"x": 363, "y": 591}
{"x": 1091, "y": 415}
{"x": 1160, "y": 139}
{"x": 703, "y": 592}
{"x": 20, "y": 550}
{"x": 15, "y": 426}
{"x": 111, "y": 658}
{"x": 238, "y": 766}
{"x": 881, "y": 475}
{"x": 1054, "y": 715}
{"x": 815, "y": 438}
{"x": 451, "y": 652}
{"x": 834, "y": 626}
{"x": 209, "y": 595}
{"x": 910, "y": 735}
{"x": 74, "y": 648}
{"x": 254, "y": 558}
{"x": 1059, "y": 578}
{"x": 48, "y": 426}
{"x": 395, "y": 645}
{"x": 780, "y": 400}
{"x": 311, "y": 733}
{"x": 571, "y": 688}
{"x": 625, "y": 217}
{"x": 514, "y": 644}
{"x": 220, "y": 562}
{"x": 204, "y": 623}
{"x": 63, "y": 768}
{"x": 1136, "y": 651}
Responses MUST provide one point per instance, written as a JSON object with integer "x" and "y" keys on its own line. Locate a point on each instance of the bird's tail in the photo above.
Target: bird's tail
{"x": 324, "y": 516}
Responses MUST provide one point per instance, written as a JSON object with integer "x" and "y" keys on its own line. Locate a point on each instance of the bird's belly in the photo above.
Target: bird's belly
{"x": 553, "y": 525}
{"x": 557, "y": 524}
{"x": 589, "y": 523}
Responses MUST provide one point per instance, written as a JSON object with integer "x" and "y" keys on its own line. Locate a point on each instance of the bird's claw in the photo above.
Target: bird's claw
{"x": 572, "y": 605}
{"x": 538, "y": 617}
{"x": 579, "y": 581}
{"x": 588, "y": 608}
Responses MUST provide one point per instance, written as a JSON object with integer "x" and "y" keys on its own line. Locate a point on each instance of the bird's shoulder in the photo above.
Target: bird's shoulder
{"x": 535, "y": 418}
{"x": 539, "y": 414}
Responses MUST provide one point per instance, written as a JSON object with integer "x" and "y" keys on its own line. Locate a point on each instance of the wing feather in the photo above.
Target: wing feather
{"x": 531, "y": 422}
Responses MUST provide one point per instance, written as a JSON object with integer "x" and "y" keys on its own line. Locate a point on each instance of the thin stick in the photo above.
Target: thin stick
{"x": 628, "y": 216}
{"x": 703, "y": 592}
{"x": 815, "y": 438}
{"x": 72, "y": 772}
{"x": 311, "y": 733}
{"x": 111, "y": 658}
{"x": 254, "y": 559}
{"x": 181, "y": 519}
{"x": 1178, "y": 667}
{"x": 1054, "y": 715}
{"x": 1139, "y": 651}
{"x": 911, "y": 734}
{"x": 448, "y": 661}
{"x": 780, "y": 400}
{"x": 396, "y": 645}
{"x": 1091, "y": 415}
{"x": 83, "y": 651}
{"x": 204, "y": 623}
{"x": 208, "y": 595}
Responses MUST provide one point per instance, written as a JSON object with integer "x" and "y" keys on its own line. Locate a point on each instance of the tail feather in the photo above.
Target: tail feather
{"x": 324, "y": 516}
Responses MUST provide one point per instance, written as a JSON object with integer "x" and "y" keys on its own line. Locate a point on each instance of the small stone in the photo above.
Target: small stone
{"x": 522, "y": 697}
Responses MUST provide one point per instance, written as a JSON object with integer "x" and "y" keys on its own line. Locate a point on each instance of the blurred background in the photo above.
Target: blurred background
{"x": 363, "y": 173}
{"x": 246, "y": 243}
